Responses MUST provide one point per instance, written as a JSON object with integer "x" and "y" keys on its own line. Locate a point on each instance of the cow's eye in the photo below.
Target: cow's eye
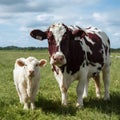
{"x": 50, "y": 35}
{"x": 64, "y": 36}
{"x": 36, "y": 65}
{"x": 25, "y": 65}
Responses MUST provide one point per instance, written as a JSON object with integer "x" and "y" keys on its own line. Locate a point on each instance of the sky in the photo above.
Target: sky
{"x": 19, "y": 17}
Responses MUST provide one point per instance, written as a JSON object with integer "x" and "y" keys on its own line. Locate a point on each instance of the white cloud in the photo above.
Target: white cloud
{"x": 117, "y": 34}
{"x": 33, "y": 4}
{"x": 97, "y": 16}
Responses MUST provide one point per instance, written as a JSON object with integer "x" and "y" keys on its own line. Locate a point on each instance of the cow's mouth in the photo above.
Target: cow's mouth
{"x": 31, "y": 75}
{"x": 58, "y": 63}
{"x": 58, "y": 59}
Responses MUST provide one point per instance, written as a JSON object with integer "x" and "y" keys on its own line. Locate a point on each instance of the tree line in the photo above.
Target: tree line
{"x": 40, "y": 48}
{"x": 21, "y": 48}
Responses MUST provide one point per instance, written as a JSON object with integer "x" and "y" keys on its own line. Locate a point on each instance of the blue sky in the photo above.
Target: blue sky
{"x": 19, "y": 17}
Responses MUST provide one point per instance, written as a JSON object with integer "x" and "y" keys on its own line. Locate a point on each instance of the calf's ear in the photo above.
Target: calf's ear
{"x": 38, "y": 34}
{"x": 42, "y": 62}
{"x": 20, "y": 62}
{"x": 79, "y": 33}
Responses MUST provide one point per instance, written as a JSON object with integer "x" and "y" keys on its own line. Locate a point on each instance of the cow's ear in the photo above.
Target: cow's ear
{"x": 42, "y": 62}
{"x": 79, "y": 33}
{"x": 38, "y": 34}
{"x": 20, "y": 62}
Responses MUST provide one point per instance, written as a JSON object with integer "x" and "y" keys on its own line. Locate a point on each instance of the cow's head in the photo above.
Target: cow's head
{"x": 31, "y": 65}
{"x": 59, "y": 37}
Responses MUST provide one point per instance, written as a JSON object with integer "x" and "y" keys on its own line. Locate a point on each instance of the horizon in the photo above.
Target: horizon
{"x": 35, "y": 47}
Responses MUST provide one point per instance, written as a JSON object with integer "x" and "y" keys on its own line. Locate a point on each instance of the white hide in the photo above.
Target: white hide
{"x": 26, "y": 75}
{"x": 58, "y": 31}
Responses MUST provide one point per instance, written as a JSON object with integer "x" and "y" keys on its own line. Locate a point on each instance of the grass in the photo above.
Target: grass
{"x": 48, "y": 100}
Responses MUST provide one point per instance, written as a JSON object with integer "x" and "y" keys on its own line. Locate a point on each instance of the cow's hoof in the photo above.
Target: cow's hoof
{"x": 84, "y": 96}
{"x": 65, "y": 104}
{"x": 98, "y": 96}
{"x": 80, "y": 106}
{"x": 107, "y": 98}
{"x": 21, "y": 101}
{"x": 26, "y": 106}
{"x": 33, "y": 106}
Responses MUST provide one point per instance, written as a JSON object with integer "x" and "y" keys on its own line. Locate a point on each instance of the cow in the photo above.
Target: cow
{"x": 26, "y": 76}
{"x": 77, "y": 54}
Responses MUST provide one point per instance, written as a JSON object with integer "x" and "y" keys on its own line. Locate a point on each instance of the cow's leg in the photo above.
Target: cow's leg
{"x": 80, "y": 89}
{"x": 97, "y": 85}
{"x": 85, "y": 93}
{"x": 32, "y": 98}
{"x": 25, "y": 101}
{"x": 24, "y": 97}
{"x": 19, "y": 94}
{"x": 64, "y": 85}
{"x": 32, "y": 102}
{"x": 63, "y": 90}
{"x": 106, "y": 80}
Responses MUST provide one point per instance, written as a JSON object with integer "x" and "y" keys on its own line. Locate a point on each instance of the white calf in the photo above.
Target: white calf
{"x": 26, "y": 78}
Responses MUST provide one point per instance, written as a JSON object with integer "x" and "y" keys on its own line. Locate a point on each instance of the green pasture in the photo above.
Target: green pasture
{"x": 48, "y": 100}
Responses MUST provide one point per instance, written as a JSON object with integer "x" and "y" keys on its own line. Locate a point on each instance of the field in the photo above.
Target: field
{"x": 48, "y": 100}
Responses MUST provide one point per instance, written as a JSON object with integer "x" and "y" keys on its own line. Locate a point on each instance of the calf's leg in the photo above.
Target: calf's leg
{"x": 32, "y": 97}
{"x": 24, "y": 97}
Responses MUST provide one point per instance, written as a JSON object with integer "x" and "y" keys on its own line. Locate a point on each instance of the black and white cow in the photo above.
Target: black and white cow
{"x": 77, "y": 54}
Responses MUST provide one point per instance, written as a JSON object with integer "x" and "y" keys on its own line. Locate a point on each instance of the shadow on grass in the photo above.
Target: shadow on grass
{"x": 108, "y": 107}
{"x": 55, "y": 107}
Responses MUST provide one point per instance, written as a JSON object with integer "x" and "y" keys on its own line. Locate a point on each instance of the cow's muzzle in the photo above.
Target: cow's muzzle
{"x": 31, "y": 73}
{"x": 58, "y": 59}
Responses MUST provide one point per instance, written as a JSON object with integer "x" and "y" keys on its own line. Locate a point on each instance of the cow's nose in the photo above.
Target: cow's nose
{"x": 58, "y": 58}
{"x": 31, "y": 72}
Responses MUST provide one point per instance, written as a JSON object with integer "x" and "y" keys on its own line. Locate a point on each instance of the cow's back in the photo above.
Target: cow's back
{"x": 99, "y": 45}
{"x": 97, "y": 50}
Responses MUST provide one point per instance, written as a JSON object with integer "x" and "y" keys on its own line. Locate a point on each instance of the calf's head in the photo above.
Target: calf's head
{"x": 59, "y": 38}
{"x": 31, "y": 65}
